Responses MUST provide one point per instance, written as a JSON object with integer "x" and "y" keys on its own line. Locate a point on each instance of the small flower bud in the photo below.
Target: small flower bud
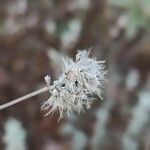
{"x": 48, "y": 80}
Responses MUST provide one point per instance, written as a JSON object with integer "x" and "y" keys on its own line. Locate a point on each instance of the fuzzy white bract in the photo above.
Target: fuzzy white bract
{"x": 76, "y": 88}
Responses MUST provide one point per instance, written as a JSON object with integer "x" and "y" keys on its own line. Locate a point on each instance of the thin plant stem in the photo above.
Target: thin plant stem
{"x": 15, "y": 101}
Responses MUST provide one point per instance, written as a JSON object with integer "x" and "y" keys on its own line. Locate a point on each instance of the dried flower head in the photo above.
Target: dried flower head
{"x": 75, "y": 89}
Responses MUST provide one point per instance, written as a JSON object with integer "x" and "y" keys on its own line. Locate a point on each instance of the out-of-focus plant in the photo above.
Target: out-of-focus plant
{"x": 56, "y": 60}
{"x": 140, "y": 117}
{"x": 79, "y": 139}
{"x": 68, "y": 32}
{"x": 137, "y": 15}
{"x": 15, "y": 135}
{"x": 100, "y": 135}
{"x": 132, "y": 79}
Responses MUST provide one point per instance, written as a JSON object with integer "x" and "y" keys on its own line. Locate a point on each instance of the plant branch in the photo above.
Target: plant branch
{"x": 15, "y": 101}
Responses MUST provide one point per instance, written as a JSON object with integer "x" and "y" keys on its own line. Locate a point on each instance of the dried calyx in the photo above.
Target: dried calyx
{"x": 75, "y": 89}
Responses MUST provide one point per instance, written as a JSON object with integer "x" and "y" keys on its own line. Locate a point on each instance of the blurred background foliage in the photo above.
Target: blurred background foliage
{"x": 33, "y": 36}
{"x": 136, "y": 16}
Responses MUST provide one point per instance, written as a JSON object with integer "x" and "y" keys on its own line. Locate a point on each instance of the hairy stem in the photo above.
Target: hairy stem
{"x": 15, "y": 101}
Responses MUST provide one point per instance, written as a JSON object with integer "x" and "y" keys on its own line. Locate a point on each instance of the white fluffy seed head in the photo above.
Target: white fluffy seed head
{"x": 75, "y": 88}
